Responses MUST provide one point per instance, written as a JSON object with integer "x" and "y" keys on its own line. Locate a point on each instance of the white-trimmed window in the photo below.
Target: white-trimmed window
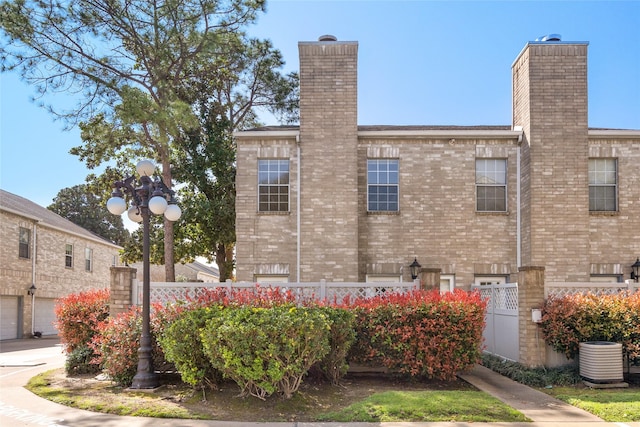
{"x": 491, "y": 185}
{"x": 603, "y": 278}
{"x": 603, "y": 184}
{"x": 382, "y": 185}
{"x": 24, "y": 243}
{"x": 68, "y": 255}
{"x": 384, "y": 278}
{"x": 273, "y": 185}
{"x": 268, "y": 278}
{"x": 88, "y": 259}
{"x": 447, "y": 283}
{"x": 490, "y": 280}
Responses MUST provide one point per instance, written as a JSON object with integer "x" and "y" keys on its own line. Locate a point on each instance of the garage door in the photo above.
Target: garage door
{"x": 45, "y": 316}
{"x": 9, "y": 327}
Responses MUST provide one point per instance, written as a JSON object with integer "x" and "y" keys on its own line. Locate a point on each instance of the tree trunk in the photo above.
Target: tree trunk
{"x": 224, "y": 260}
{"x": 169, "y": 259}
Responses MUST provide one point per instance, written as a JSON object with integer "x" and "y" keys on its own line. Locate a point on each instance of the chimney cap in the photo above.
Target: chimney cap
{"x": 550, "y": 38}
{"x": 327, "y": 38}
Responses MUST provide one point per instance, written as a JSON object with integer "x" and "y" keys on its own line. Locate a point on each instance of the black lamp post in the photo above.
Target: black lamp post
{"x": 635, "y": 267}
{"x": 151, "y": 196}
{"x": 415, "y": 268}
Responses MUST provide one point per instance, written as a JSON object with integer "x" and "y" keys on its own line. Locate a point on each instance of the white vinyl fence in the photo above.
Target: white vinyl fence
{"x": 501, "y": 335}
{"x": 162, "y": 292}
{"x": 560, "y": 289}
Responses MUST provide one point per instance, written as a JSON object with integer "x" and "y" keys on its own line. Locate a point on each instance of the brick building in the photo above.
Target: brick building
{"x": 40, "y": 248}
{"x": 332, "y": 200}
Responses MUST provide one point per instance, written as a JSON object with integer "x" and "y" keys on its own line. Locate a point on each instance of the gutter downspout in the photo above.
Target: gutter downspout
{"x": 298, "y": 240}
{"x": 518, "y": 208}
{"x": 33, "y": 278}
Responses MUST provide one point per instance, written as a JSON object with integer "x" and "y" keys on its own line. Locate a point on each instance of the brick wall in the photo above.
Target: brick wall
{"x": 329, "y": 155}
{"x": 437, "y": 222}
{"x": 550, "y": 102}
{"x": 52, "y": 278}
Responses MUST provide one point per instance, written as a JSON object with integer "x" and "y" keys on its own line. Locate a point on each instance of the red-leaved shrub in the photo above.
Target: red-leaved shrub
{"x": 569, "y": 320}
{"x": 78, "y": 317}
{"x": 117, "y": 343}
{"x": 421, "y": 333}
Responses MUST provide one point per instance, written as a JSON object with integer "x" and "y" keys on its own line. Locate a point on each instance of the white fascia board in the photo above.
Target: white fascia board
{"x": 444, "y": 133}
{"x": 615, "y": 133}
{"x": 253, "y": 134}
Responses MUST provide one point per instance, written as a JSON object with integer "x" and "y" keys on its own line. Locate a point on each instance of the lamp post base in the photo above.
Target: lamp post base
{"x": 145, "y": 377}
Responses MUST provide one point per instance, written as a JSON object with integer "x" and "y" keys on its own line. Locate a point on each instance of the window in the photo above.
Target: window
{"x": 447, "y": 283}
{"x": 68, "y": 256}
{"x": 382, "y": 185}
{"x": 613, "y": 278}
{"x": 603, "y": 183}
{"x": 490, "y": 280}
{"x": 24, "y": 246}
{"x": 271, "y": 279}
{"x": 491, "y": 185}
{"x": 273, "y": 185}
{"x": 88, "y": 259}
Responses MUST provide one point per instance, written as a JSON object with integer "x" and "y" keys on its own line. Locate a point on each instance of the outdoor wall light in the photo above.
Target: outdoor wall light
{"x": 32, "y": 290}
{"x": 415, "y": 268}
{"x": 151, "y": 196}
{"x": 635, "y": 268}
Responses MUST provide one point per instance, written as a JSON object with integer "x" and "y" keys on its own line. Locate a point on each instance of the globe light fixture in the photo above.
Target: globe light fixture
{"x": 150, "y": 196}
{"x": 116, "y": 205}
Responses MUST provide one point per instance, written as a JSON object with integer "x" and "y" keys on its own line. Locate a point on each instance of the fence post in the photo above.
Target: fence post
{"x": 323, "y": 289}
{"x": 533, "y": 350}
{"x": 120, "y": 289}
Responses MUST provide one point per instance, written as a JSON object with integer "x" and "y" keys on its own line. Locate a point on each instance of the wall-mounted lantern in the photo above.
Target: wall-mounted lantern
{"x": 415, "y": 268}
{"x": 32, "y": 290}
{"x": 635, "y": 270}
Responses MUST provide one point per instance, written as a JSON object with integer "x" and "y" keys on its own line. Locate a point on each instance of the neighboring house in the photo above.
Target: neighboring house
{"x": 41, "y": 249}
{"x": 331, "y": 199}
{"x": 191, "y": 272}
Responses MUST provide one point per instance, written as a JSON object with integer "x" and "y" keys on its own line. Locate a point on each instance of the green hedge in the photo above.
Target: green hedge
{"x": 182, "y": 345}
{"x": 267, "y": 350}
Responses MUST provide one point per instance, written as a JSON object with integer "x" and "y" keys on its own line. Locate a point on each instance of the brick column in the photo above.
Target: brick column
{"x": 429, "y": 278}
{"x": 120, "y": 289}
{"x": 530, "y": 296}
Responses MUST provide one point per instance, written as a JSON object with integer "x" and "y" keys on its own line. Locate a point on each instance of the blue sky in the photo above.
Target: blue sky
{"x": 420, "y": 62}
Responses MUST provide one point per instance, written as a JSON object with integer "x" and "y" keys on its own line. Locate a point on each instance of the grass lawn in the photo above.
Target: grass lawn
{"x": 360, "y": 399}
{"x": 613, "y": 405}
{"x": 390, "y": 406}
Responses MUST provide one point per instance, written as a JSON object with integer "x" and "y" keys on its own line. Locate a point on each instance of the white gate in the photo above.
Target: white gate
{"x": 501, "y": 336}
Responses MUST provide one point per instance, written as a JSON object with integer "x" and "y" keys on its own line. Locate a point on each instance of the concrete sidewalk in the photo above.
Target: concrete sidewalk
{"x": 534, "y": 404}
